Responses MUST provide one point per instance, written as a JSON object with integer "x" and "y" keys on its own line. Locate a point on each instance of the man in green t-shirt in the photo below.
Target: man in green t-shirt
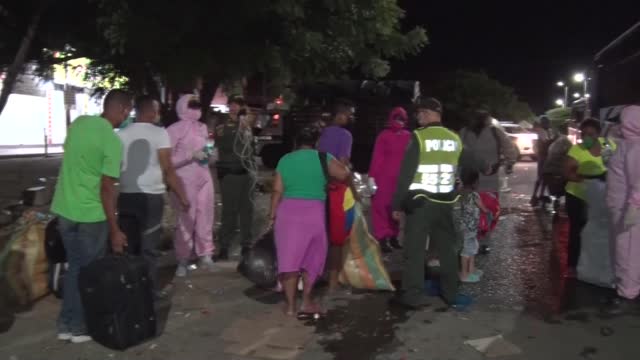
{"x": 85, "y": 202}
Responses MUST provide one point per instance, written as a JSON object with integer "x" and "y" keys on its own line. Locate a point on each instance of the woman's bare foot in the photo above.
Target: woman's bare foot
{"x": 288, "y": 310}
{"x": 312, "y": 308}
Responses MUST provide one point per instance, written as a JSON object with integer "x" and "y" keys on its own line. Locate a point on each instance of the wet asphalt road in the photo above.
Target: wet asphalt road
{"x": 523, "y": 273}
{"x": 526, "y": 265}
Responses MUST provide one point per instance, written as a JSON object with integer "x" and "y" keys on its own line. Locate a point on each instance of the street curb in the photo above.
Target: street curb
{"x": 30, "y": 156}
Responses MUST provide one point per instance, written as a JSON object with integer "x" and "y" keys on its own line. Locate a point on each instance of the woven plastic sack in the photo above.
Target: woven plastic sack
{"x": 363, "y": 267}
{"x": 594, "y": 265}
{"x": 23, "y": 261}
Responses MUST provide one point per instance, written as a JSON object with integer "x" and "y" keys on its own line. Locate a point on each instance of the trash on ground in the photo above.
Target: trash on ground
{"x": 494, "y": 346}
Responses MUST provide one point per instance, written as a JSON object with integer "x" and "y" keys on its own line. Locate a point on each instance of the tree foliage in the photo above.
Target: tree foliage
{"x": 172, "y": 43}
{"x": 285, "y": 40}
{"x": 464, "y": 92}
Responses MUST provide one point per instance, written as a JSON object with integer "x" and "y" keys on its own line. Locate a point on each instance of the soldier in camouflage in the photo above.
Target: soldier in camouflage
{"x": 236, "y": 174}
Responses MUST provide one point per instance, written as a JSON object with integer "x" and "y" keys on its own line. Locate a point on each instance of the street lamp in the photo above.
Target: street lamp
{"x": 582, "y": 78}
{"x": 576, "y": 95}
{"x": 559, "y": 102}
{"x": 566, "y": 92}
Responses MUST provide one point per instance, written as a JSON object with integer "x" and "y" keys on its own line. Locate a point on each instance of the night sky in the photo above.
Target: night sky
{"x": 529, "y": 47}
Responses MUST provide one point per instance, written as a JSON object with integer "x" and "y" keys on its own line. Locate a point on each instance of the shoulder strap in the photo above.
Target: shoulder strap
{"x": 325, "y": 170}
{"x": 324, "y": 163}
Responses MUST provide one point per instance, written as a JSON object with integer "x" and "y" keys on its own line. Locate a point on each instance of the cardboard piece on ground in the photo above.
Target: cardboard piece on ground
{"x": 292, "y": 337}
{"x": 502, "y": 347}
{"x": 242, "y": 349}
{"x": 275, "y": 353}
{"x": 494, "y": 346}
{"x": 241, "y": 330}
{"x": 482, "y": 344}
{"x": 270, "y": 336}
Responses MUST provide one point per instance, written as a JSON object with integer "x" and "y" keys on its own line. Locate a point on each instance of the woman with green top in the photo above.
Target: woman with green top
{"x": 584, "y": 161}
{"x": 298, "y": 215}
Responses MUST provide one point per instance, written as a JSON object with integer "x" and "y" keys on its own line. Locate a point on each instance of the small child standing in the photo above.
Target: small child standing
{"x": 470, "y": 207}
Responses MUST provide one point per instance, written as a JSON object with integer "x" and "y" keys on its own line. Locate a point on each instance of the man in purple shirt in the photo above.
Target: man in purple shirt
{"x": 335, "y": 139}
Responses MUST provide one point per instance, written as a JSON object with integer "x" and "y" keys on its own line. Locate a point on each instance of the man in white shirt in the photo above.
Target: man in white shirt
{"x": 147, "y": 170}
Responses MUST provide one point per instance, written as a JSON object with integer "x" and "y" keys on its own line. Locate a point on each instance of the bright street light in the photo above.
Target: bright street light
{"x": 579, "y": 77}
{"x": 560, "y": 83}
{"x": 587, "y": 95}
{"x": 560, "y": 102}
{"x": 576, "y": 95}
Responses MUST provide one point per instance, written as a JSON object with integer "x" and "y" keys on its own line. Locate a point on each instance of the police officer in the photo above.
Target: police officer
{"x": 236, "y": 175}
{"x": 427, "y": 194}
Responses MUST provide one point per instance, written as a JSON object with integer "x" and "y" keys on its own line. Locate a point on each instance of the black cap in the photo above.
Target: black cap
{"x": 430, "y": 104}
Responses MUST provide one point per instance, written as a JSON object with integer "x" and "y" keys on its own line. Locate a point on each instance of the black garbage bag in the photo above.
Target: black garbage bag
{"x": 260, "y": 265}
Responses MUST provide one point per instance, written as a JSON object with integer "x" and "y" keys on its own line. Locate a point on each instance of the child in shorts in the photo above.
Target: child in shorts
{"x": 470, "y": 208}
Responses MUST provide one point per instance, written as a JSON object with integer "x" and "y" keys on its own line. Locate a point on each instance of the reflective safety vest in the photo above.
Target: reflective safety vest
{"x": 440, "y": 150}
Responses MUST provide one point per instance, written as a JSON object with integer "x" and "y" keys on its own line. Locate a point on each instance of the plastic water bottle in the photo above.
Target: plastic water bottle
{"x": 208, "y": 149}
{"x": 606, "y": 153}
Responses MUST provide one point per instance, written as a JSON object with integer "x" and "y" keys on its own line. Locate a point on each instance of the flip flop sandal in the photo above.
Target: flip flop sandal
{"x": 471, "y": 278}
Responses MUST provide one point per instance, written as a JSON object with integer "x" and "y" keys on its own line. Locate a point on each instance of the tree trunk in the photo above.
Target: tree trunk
{"x": 21, "y": 56}
{"x": 209, "y": 87}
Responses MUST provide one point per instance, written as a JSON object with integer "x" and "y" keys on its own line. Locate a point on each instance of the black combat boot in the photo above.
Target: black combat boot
{"x": 384, "y": 246}
{"x": 395, "y": 243}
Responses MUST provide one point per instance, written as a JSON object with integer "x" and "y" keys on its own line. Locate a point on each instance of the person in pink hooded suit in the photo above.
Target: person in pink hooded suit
{"x": 623, "y": 201}
{"x": 194, "y": 228}
{"x": 388, "y": 153}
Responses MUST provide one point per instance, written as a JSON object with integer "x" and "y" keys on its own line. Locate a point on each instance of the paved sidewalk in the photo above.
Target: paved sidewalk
{"x": 523, "y": 310}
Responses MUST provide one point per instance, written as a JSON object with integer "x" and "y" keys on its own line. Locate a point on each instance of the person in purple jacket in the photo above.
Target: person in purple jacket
{"x": 335, "y": 139}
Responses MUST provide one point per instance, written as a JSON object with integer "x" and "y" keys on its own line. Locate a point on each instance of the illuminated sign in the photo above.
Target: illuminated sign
{"x": 73, "y": 72}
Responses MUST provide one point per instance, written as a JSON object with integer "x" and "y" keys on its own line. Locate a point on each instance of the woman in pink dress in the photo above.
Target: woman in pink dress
{"x": 385, "y": 167}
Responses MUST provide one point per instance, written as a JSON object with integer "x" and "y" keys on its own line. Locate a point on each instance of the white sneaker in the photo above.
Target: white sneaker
{"x": 64, "y": 336}
{"x": 182, "y": 270}
{"x": 79, "y": 339}
{"x": 206, "y": 263}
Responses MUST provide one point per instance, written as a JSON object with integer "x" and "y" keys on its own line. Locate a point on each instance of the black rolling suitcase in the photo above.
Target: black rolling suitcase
{"x": 117, "y": 296}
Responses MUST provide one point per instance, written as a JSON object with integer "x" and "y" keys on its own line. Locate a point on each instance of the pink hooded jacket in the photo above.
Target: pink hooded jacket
{"x": 188, "y": 136}
{"x": 388, "y": 153}
{"x": 623, "y": 179}
{"x": 623, "y": 193}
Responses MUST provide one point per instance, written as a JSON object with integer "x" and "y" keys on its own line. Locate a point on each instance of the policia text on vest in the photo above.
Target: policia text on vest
{"x": 427, "y": 194}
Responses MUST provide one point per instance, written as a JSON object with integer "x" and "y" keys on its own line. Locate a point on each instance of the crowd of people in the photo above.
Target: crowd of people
{"x": 146, "y": 160}
{"x": 597, "y": 177}
{"x": 440, "y": 183}
{"x": 415, "y": 180}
